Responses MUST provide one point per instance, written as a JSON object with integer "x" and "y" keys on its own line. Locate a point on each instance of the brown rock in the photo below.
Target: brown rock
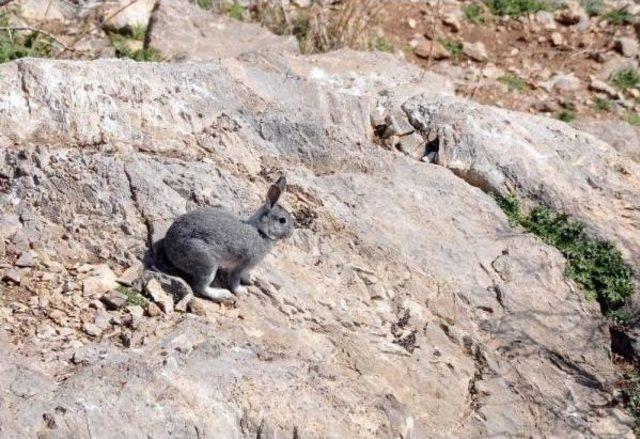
{"x": 153, "y": 310}
{"x": 475, "y": 51}
{"x": 159, "y": 296}
{"x": 432, "y": 50}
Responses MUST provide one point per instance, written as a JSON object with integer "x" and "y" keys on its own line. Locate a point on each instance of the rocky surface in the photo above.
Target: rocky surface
{"x": 403, "y": 306}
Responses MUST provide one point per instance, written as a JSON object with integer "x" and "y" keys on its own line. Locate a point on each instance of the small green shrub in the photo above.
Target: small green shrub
{"x": 131, "y": 296}
{"x": 602, "y": 104}
{"x": 593, "y": 7}
{"x": 566, "y": 115}
{"x": 513, "y": 82}
{"x": 138, "y": 32}
{"x": 453, "y": 47}
{"x": 625, "y": 78}
{"x": 381, "y": 44}
{"x": 236, "y": 11}
{"x": 123, "y": 50}
{"x": 632, "y": 118}
{"x": 207, "y": 5}
{"x": 15, "y": 45}
{"x": 510, "y": 205}
{"x": 516, "y": 8}
{"x": 596, "y": 265}
{"x": 475, "y": 13}
{"x": 619, "y": 17}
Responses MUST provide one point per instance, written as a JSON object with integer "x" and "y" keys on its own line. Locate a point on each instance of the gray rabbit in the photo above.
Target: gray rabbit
{"x": 204, "y": 240}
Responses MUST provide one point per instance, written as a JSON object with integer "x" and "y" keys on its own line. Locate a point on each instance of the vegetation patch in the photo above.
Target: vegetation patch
{"x": 453, "y": 47}
{"x": 516, "y": 8}
{"x": 602, "y": 104}
{"x": 22, "y": 44}
{"x": 593, "y": 7}
{"x": 566, "y": 115}
{"x": 513, "y": 83}
{"x": 632, "y": 118}
{"x": 475, "y": 13}
{"x": 625, "y": 78}
{"x": 131, "y": 296}
{"x": 381, "y": 44}
{"x": 619, "y": 17}
{"x": 207, "y": 5}
{"x": 596, "y": 265}
{"x": 123, "y": 49}
{"x": 235, "y": 11}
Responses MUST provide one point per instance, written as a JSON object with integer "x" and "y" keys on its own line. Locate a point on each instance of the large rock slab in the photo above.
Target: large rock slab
{"x": 540, "y": 159}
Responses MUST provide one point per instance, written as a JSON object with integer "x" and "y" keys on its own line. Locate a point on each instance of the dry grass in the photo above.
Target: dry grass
{"x": 350, "y": 23}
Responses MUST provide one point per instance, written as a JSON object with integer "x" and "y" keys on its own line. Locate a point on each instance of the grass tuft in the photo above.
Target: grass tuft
{"x": 619, "y": 17}
{"x": 625, "y": 78}
{"x": 632, "y": 118}
{"x": 566, "y": 116}
{"x": 602, "y": 104}
{"x": 593, "y": 8}
{"x": 235, "y": 11}
{"x": 15, "y": 45}
{"x": 513, "y": 83}
{"x": 381, "y": 44}
{"x": 517, "y": 8}
{"x": 453, "y": 47}
{"x": 131, "y": 296}
{"x": 475, "y": 13}
{"x": 207, "y": 5}
{"x": 123, "y": 50}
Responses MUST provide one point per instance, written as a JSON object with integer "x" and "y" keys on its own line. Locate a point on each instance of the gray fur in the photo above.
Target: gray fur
{"x": 205, "y": 240}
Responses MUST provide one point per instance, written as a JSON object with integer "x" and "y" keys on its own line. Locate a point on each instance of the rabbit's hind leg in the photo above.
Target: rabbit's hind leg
{"x": 202, "y": 267}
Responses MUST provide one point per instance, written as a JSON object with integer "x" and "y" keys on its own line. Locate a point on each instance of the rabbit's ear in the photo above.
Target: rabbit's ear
{"x": 275, "y": 191}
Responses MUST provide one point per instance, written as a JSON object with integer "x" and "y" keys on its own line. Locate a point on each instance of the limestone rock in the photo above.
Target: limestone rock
{"x": 159, "y": 296}
{"x": 127, "y": 15}
{"x": 475, "y": 51}
{"x": 431, "y": 49}
{"x": 627, "y": 46}
{"x": 101, "y": 279}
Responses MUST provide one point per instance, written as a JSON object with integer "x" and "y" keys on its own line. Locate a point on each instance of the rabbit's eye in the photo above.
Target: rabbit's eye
{"x": 283, "y": 220}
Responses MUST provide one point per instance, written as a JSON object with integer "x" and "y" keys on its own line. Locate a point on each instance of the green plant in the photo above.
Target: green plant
{"x": 596, "y": 265}
{"x": 566, "y": 115}
{"x": 15, "y": 45}
{"x": 123, "y": 50}
{"x": 631, "y": 395}
{"x": 453, "y": 47}
{"x": 205, "y": 4}
{"x": 602, "y": 104}
{"x": 475, "y": 13}
{"x": 381, "y": 44}
{"x": 235, "y": 11}
{"x": 625, "y": 78}
{"x": 593, "y": 7}
{"x": 618, "y": 17}
{"x": 131, "y": 296}
{"x": 513, "y": 82}
{"x": 510, "y": 205}
{"x": 632, "y": 118}
{"x": 138, "y": 32}
{"x": 516, "y": 8}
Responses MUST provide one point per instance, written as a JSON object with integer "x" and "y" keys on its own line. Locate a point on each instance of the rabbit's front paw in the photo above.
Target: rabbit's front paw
{"x": 246, "y": 279}
{"x": 239, "y": 290}
{"x": 218, "y": 295}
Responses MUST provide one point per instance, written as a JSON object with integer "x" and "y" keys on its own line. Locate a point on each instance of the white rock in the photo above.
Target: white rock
{"x": 159, "y": 296}
{"x": 101, "y": 279}
{"x": 475, "y": 51}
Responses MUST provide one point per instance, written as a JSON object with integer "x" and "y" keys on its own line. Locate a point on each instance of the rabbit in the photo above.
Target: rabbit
{"x": 202, "y": 241}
